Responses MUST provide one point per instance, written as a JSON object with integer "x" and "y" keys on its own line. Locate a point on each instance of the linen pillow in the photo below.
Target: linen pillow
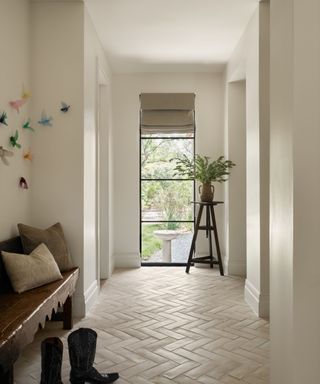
{"x": 52, "y": 237}
{"x": 30, "y": 271}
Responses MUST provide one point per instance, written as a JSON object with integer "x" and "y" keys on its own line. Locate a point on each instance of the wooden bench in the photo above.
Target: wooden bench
{"x": 21, "y": 315}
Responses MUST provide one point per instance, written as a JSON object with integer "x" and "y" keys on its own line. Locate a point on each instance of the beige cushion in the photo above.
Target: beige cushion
{"x": 52, "y": 237}
{"x": 30, "y": 271}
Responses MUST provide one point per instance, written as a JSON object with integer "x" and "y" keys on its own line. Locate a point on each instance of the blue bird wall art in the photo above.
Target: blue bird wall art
{"x": 45, "y": 120}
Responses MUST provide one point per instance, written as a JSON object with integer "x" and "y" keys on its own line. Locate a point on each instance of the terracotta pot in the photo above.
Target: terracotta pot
{"x": 206, "y": 191}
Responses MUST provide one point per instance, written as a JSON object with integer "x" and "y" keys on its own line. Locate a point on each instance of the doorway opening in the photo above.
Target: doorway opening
{"x": 236, "y": 192}
{"x": 102, "y": 164}
{"x": 166, "y": 215}
{"x": 167, "y": 132}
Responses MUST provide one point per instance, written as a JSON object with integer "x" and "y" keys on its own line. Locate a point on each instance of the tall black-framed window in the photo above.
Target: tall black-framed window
{"x": 166, "y": 215}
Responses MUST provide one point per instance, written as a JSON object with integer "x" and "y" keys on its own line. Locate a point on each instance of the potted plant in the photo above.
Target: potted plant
{"x": 206, "y": 172}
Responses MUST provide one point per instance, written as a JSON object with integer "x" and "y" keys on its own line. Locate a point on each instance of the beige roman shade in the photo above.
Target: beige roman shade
{"x": 167, "y": 113}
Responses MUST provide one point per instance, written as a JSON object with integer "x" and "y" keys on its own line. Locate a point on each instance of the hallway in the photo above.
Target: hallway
{"x": 159, "y": 325}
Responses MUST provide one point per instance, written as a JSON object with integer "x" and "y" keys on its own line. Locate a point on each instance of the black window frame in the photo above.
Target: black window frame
{"x": 141, "y": 222}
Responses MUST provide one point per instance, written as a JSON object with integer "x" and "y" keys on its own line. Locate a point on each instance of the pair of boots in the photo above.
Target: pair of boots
{"x": 82, "y": 350}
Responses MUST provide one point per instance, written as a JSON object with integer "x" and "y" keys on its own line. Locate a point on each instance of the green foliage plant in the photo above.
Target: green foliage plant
{"x": 151, "y": 243}
{"x": 202, "y": 169}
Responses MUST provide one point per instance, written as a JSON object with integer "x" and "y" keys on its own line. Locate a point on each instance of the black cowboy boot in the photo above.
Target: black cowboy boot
{"x": 82, "y": 350}
{"x": 51, "y": 360}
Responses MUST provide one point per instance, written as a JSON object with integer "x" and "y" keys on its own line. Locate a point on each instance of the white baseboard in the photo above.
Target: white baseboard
{"x": 237, "y": 268}
{"x": 264, "y": 306}
{"x": 90, "y": 295}
{"x": 127, "y": 260}
{"x": 225, "y": 265}
{"x": 83, "y": 302}
{"x": 258, "y": 303}
{"x": 112, "y": 266}
{"x": 251, "y": 295}
{"x": 78, "y": 306}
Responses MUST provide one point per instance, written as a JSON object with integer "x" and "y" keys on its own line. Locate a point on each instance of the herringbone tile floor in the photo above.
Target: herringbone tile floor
{"x": 160, "y": 325}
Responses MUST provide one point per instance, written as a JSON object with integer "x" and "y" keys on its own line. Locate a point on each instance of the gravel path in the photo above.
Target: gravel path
{"x": 180, "y": 248}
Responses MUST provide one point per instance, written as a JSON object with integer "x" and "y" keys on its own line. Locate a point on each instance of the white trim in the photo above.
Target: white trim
{"x": 251, "y": 296}
{"x": 97, "y": 175}
{"x": 127, "y": 260}
{"x": 258, "y": 302}
{"x": 237, "y": 268}
{"x": 78, "y": 307}
{"x": 57, "y": 1}
{"x": 83, "y": 302}
{"x": 102, "y": 77}
{"x": 264, "y": 306}
{"x": 90, "y": 295}
{"x": 225, "y": 263}
{"x": 102, "y": 174}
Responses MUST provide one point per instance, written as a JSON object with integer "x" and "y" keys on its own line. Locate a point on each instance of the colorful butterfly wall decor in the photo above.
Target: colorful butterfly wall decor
{"x": 28, "y": 155}
{"x": 23, "y": 183}
{"x": 25, "y": 94}
{"x": 45, "y": 120}
{"x": 4, "y": 153}
{"x": 27, "y": 125}
{"x": 17, "y": 104}
{"x": 64, "y": 107}
{"x": 14, "y": 140}
{"x": 3, "y": 118}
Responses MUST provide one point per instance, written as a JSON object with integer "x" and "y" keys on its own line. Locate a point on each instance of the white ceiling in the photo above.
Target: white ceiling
{"x": 170, "y": 35}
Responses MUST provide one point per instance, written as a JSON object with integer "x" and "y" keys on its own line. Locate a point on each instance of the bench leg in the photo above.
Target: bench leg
{"x": 67, "y": 314}
{"x": 7, "y": 378}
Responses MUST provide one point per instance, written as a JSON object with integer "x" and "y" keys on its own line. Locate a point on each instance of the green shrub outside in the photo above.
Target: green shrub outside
{"x": 150, "y": 242}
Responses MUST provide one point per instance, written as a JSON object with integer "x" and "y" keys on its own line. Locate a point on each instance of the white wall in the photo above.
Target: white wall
{"x": 52, "y": 49}
{"x": 264, "y": 145}
{"x": 209, "y": 140}
{"x": 295, "y": 190}
{"x": 14, "y": 73}
{"x": 247, "y": 63}
{"x": 236, "y": 253}
{"x": 94, "y": 62}
{"x": 65, "y": 53}
{"x": 65, "y": 49}
{"x": 57, "y": 74}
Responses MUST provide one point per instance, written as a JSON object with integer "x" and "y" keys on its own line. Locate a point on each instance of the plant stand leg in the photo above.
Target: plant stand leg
{"x": 196, "y": 229}
{"x": 209, "y": 235}
{"x": 215, "y": 231}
